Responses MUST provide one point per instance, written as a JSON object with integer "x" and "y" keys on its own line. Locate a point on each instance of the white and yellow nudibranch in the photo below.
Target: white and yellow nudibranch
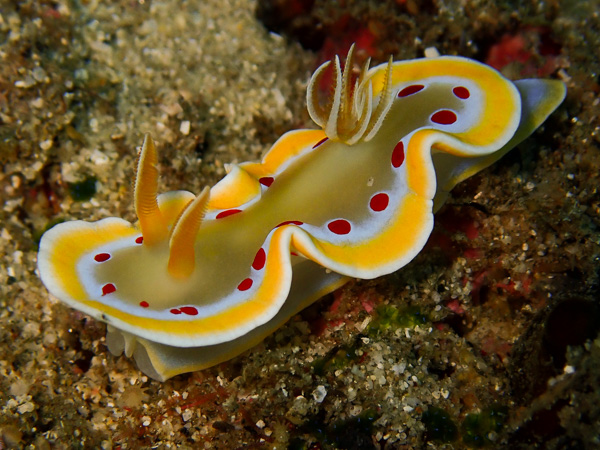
{"x": 199, "y": 279}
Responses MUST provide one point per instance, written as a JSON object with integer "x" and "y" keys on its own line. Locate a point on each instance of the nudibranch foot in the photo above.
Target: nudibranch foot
{"x": 199, "y": 279}
{"x": 161, "y": 362}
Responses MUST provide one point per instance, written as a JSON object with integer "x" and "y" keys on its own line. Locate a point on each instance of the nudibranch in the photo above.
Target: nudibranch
{"x": 200, "y": 279}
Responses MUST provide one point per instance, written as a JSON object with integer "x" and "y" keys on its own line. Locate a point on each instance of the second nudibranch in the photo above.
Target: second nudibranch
{"x": 199, "y": 279}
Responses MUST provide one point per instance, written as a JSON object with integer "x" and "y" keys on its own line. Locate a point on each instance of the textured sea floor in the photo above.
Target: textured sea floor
{"x": 489, "y": 338}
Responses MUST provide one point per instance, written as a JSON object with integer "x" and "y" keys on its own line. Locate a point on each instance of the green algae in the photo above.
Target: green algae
{"x": 355, "y": 432}
{"x": 83, "y": 190}
{"x": 337, "y": 358}
{"x": 478, "y": 428}
{"x": 439, "y": 425}
{"x": 389, "y": 317}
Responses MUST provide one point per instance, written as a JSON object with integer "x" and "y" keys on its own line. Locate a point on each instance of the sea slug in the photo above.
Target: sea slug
{"x": 199, "y": 279}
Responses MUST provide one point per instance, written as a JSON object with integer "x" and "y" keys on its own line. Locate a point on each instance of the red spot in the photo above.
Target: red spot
{"x": 526, "y": 285}
{"x": 144, "y": 304}
{"x": 441, "y": 326}
{"x": 101, "y": 257}
{"x": 51, "y": 12}
{"x": 189, "y": 310}
{"x": 509, "y": 49}
{"x": 532, "y": 48}
{"x": 410, "y": 90}
{"x": 444, "y": 117}
{"x": 318, "y": 326}
{"x": 455, "y": 306}
{"x": 363, "y": 357}
{"x": 461, "y": 92}
{"x": 259, "y": 259}
{"x": 290, "y": 222}
{"x": 108, "y": 289}
{"x": 339, "y": 226}
{"x": 511, "y": 286}
{"x": 294, "y": 254}
{"x": 320, "y": 142}
{"x": 368, "y": 300}
{"x": 175, "y": 311}
{"x": 379, "y": 202}
{"x": 471, "y": 230}
{"x": 496, "y": 345}
{"x": 229, "y": 212}
{"x": 338, "y": 298}
{"x": 139, "y": 240}
{"x": 479, "y": 282}
{"x": 266, "y": 181}
{"x": 246, "y": 284}
{"x": 398, "y": 155}
{"x": 473, "y": 253}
